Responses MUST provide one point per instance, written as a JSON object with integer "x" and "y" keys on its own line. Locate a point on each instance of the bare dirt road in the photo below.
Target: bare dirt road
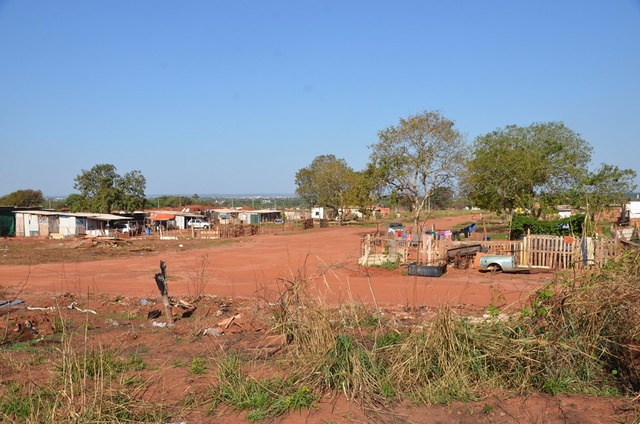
{"x": 259, "y": 266}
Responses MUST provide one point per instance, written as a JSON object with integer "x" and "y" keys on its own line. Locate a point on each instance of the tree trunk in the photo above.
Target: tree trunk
{"x": 161, "y": 281}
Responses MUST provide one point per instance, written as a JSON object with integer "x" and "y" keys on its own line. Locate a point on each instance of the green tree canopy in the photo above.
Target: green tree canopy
{"x": 517, "y": 167}
{"x": 326, "y": 182}
{"x": 23, "y": 198}
{"x": 601, "y": 188}
{"x": 74, "y": 202}
{"x": 359, "y": 192}
{"x": 413, "y": 160}
{"x": 131, "y": 187}
{"x": 605, "y": 186}
{"x": 103, "y": 190}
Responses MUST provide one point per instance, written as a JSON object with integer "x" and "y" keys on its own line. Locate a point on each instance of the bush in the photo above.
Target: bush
{"x": 521, "y": 225}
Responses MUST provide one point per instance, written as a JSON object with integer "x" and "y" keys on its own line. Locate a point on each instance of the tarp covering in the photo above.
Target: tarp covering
{"x": 7, "y": 223}
{"x": 163, "y": 217}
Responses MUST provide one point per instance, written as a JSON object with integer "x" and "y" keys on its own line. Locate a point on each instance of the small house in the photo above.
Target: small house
{"x": 321, "y": 212}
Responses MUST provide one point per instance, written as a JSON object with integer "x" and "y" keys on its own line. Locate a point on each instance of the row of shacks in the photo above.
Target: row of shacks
{"x": 55, "y": 224}
{"x": 179, "y": 220}
{"x": 43, "y": 223}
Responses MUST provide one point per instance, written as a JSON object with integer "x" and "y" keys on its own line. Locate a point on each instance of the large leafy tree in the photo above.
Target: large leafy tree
{"x": 73, "y": 202}
{"x": 601, "y": 188}
{"x": 415, "y": 159}
{"x": 103, "y": 189}
{"x": 526, "y": 167}
{"x": 23, "y": 198}
{"x": 359, "y": 192}
{"x": 132, "y": 186}
{"x": 325, "y": 182}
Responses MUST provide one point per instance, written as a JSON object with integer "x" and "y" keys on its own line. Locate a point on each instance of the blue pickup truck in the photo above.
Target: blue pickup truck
{"x": 500, "y": 263}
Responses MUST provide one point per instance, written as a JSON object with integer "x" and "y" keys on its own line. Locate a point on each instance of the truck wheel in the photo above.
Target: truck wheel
{"x": 494, "y": 268}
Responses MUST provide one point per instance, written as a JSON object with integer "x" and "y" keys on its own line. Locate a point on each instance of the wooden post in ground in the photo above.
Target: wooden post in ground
{"x": 484, "y": 228}
{"x": 161, "y": 281}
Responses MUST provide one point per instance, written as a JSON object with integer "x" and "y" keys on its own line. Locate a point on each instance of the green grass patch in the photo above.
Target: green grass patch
{"x": 264, "y": 398}
{"x": 575, "y": 335}
{"x": 198, "y": 366}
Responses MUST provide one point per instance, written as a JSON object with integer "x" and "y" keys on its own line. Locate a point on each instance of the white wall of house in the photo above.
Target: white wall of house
{"x": 319, "y": 213}
{"x": 564, "y": 214}
{"x": 634, "y": 209}
{"x": 69, "y": 225}
{"x": 296, "y": 215}
{"x": 29, "y": 225}
{"x": 35, "y": 224}
{"x": 181, "y": 222}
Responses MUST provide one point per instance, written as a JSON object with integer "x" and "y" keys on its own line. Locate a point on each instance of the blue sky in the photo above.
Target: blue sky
{"x": 212, "y": 96}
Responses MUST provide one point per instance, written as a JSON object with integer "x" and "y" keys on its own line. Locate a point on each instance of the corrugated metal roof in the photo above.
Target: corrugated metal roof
{"x": 163, "y": 217}
{"x": 90, "y": 215}
{"x": 98, "y": 216}
{"x": 43, "y": 213}
{"x": 177, "y": 213}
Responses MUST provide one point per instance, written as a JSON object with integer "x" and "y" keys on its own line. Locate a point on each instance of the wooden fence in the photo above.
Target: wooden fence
{"x": 240, "y": 230}
{"x": 535, "y": 251}
{"x": 219, "y": 231}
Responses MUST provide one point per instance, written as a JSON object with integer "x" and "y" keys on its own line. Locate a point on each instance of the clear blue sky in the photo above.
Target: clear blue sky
{"x": 235, "y": 96}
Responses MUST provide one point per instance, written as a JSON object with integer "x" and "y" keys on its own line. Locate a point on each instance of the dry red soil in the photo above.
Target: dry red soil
{"x": 253, "y": 266}
{"x": 254, "y": 269}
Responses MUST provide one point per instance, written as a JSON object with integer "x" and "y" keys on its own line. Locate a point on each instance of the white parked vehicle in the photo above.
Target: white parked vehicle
{"x": 130, "y": 228}
{"x": 198, "y": 224}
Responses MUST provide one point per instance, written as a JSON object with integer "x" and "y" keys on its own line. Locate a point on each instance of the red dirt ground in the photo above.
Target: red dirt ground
{"x": 254, "y": 268}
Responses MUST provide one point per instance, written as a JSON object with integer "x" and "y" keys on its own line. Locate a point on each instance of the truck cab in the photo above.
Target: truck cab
{"x": 498, "y": 263}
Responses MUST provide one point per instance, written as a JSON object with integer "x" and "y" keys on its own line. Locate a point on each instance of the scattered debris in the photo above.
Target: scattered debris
{"x": 227, "y": 322}
{"x": 153, "y": 314}
{"x": 25, "y": 332}
{"x": 213, "y": 331}
{"x": 39, "y": 308}
{"x": 159, "y": 324}
{"x": 187, "y": 307}
{"x": 6, "y": 303}
{"x": 75, "y": 306}
{"x": 184, "y": 305}
{"x": 118, "y": 323}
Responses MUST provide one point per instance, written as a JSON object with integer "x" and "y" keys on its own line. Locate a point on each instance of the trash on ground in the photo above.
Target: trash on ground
{"x": 6, "y": 303}
{"x": 39, "y": 308}
{"x": 118, "y": 323}
{"x": 74, "y": 305}
{"x": 212, "y": 331}
{"x": 227, "y": 322}
{"x": 156, "y": 313}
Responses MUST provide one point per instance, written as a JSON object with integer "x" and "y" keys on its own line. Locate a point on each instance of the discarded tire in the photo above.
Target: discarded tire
{"x": 427, "y": 270}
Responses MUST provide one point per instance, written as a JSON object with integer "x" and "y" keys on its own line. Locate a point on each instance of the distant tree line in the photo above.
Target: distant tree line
{"x": 179, "y": 201}
{"x": 23, "y": 199}
{"x": 424, "y": 163}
